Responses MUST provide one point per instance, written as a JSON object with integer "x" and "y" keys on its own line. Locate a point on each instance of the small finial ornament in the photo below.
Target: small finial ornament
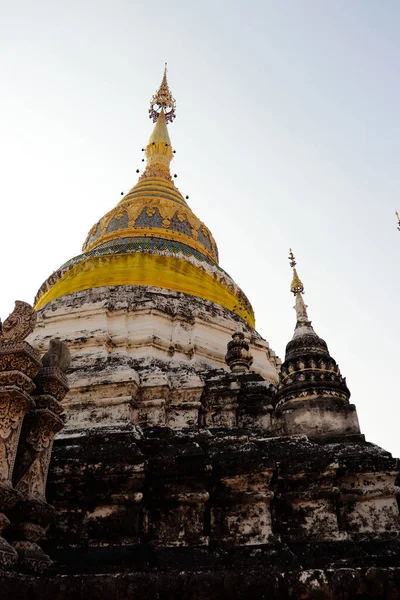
{"x": 398, "y": 220}
{"x": 58, "y": 355}
{"x": 297, "y": 286}
{"x": 163, "y": 100}
{"x": 291, "y": 258}
{"x": 238, "y": 357}
{"x": 19, "y": 324}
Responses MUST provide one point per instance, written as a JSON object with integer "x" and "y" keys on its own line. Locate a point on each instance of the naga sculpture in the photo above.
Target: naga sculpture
{"x": 30, "y": 416}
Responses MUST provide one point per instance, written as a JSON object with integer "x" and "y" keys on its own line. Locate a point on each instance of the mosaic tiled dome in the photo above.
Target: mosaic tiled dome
{"x": 153, "y": 208}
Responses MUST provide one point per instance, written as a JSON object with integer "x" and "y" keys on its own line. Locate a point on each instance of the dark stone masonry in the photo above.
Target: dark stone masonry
{"x": 237, "y": 506}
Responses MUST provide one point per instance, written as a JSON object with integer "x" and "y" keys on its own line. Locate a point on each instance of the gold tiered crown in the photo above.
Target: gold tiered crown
{"x": 154, "y": 207}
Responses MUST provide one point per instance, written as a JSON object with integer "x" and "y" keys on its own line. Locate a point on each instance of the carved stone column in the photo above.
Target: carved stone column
{"x": 219, "y": 401}
{"x": 306, "y": 503}
{"x": 177, "y": 518}
{"x": 149, "y": 407}
{"x": 14, "y": 403}
{"x": 241, "y": 513}
{"x": 96, "y": 482}
{"x": 184, "y": 401}
{"x": 240, "y": 502}
{"x": 368, "y": 502}
{"x": 33, "y": 514}
{"x": 176, "y": 496}
{"x": 18, "y": 364}
{"x": 312, "y": 515}
{"x": 255, "y": 403}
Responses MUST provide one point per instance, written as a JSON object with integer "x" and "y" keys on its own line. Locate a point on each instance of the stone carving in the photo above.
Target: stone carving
{"x": 8, "y": 555}
{"x": 18, "y": 356}
{"x": 16, "y": 378}
{"x": 48, "y": 401}
{"x": 19, "y": 324}
{"x": 30, "y": 520}
{"x": 39, "y": 429}
{"x": 33, "y": 513}
{"x": 18, "y": 363}
{"x": 238, "y": 357}
{"x": 31, "y": 556}
{"x": 57, "y": 355}
{"x": 14, "y": 404}
{"x": 219, "y": 402}
{"x": 27, "y": 431}
{"x": 43, "y": 429}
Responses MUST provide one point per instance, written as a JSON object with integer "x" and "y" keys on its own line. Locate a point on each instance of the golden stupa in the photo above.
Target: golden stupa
{"x": 151, "y": 237}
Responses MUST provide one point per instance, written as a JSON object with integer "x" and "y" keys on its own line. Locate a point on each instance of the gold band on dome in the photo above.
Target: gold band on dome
{"x": 147, "y": 269}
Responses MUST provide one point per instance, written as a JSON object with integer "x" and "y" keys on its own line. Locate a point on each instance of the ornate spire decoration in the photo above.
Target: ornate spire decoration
{"x": 297, "y": 288}
{"x": 398, "y": 220}
{"x": 297, "y": 285}
{"x": 163, "y": 101}
{"x": 308, "y": 371}
{"x": 158, "y": 151}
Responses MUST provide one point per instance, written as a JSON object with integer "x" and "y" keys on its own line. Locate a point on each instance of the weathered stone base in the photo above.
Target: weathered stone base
{"x": 252, "y": 583}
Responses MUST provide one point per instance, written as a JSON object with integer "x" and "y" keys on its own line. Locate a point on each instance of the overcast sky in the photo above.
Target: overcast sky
{"x": 287, "y": 134}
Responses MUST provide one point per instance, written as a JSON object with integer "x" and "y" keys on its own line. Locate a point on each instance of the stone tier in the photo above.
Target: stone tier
{"x": 154, "y": 494}
{"x": 216, "y": 513}
{"x": 121, "y": 338}
{"x": 259, "y": 580}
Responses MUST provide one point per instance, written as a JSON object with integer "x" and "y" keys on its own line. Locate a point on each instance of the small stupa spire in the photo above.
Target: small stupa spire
{"x": 309, "y": 373}
{"x": 297, "y": 288}
{"x": 158, "y": 151}
{"x": 398, "y": 220}
{"x": 297, "y": 285}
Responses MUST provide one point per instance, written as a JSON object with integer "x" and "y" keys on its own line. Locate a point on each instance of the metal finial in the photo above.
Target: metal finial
{"x": 292, "y": 258}
{"x": 297, "y": 286}
{"x": 163, "y": 100}
{"x": 398, "y": 220}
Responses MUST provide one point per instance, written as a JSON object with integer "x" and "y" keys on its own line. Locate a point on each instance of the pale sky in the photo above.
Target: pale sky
{"x": 287, "y": 134}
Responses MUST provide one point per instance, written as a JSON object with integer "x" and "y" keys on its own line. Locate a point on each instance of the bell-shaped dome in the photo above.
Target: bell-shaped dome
{"x": 151, "y": 237}
{"x": 154, "y": 207}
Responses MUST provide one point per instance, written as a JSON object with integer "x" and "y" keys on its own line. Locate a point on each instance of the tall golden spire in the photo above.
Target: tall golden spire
{"x": 158, "y": 150}
{"x": 297, "y": 288}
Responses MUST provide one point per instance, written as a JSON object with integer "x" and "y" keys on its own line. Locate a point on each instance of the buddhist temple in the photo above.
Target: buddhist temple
{"x": 153, "y": 445}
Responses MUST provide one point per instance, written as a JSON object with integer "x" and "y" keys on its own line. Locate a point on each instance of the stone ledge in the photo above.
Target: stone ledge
{"x": 340, "y": 584}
